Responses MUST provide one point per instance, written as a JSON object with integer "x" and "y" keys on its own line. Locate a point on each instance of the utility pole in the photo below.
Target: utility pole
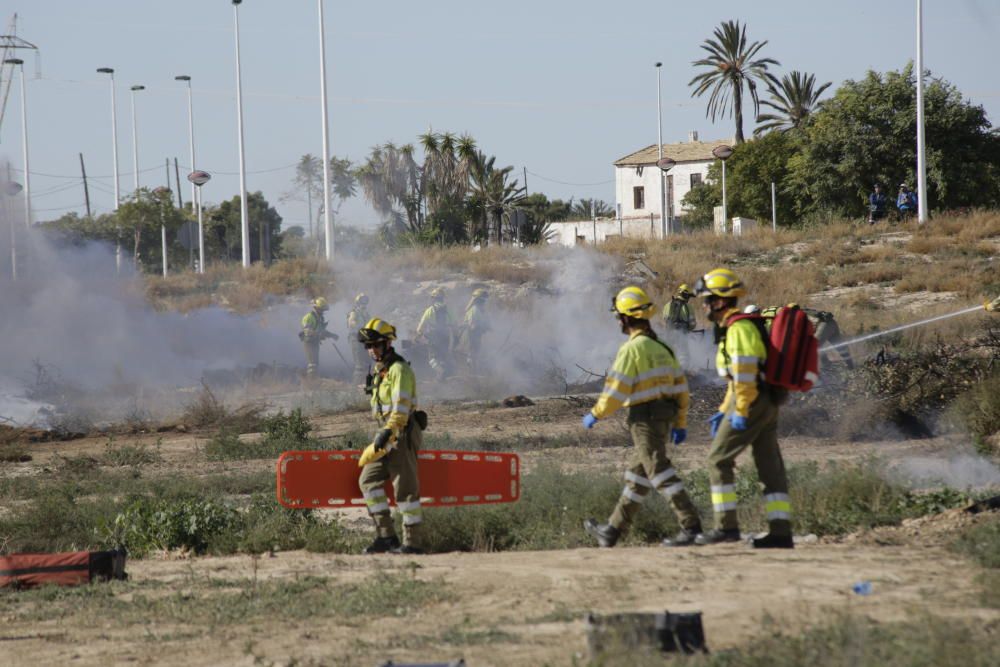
{"x": 525, "y": 181}
{"x": 177, "y": 179}
{"x": 86, "y": 190}
{"x": 327, "y": 219}
{"x": 921, "y": 144}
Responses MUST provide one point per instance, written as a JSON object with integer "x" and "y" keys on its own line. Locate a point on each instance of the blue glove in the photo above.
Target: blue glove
{"x": 714, "y": 422}
{"x": 739, "y": 422}
{"x": 589, "y": 420}
{"x": 678, "y": 435}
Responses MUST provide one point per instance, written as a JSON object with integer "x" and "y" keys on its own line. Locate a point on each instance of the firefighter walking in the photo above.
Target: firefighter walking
{"x": 313, "y": 333}
{"x": 435, "y": 330}
{"x": 647, "y": 380}
{"x": 357, "y": 317}
{"x": 392, "y": 456}
{"x": 748, "y": 417}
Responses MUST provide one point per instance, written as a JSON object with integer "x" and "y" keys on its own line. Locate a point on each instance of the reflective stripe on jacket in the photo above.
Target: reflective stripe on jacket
{"x": 394, "y": 397}
{"x": 742, "y": 353}
{"x": 644, "y": 370}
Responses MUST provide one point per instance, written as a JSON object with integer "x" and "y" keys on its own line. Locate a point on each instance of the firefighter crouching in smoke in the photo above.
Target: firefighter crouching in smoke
{"x": 748, "y": 417}
{"x": 392, "y": 456}
{"x": 646, "y": 379}
{"x": 313, "y": 333}
{"x": 356, "y": 318}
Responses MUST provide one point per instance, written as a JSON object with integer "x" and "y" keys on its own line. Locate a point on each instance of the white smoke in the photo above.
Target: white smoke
{"x": 960, "y": 471}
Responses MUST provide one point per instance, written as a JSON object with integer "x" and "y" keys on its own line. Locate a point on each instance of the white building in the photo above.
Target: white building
{"x": 637, "y": 190}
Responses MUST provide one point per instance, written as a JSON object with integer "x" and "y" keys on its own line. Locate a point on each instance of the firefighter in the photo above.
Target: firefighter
{"x": 313, "y": 333}
{"x": 356, "y": 318}
{"x": 392, "y": 456}
{"x": 748, "y": 417}
{"x": 435, "y": 330}
{"x": 474, "y": 326}
{"x": 825, "y": 328}
{"x": 678, "y": 314}
{"x": 646, "y": 379}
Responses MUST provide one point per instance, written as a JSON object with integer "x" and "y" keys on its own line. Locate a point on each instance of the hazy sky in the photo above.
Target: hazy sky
{"x": 561, "y": 88}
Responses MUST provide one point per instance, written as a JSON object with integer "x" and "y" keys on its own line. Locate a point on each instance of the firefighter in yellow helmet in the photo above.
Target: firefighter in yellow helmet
{"x": 435, "y": 329}
{"x": 678, "y": 313}
{"x": 314, "y": 332}
{"x": 474, "y": 326}
{"x": 356, "y": 318}
{"x": 825, "y": 327}
{"x": 748, "y": 417}
{"x": 646, "y": 379}
{"x": 392, "y": 456}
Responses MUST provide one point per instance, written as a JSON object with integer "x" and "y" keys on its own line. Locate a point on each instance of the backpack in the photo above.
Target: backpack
{"x": 792, "y": 348}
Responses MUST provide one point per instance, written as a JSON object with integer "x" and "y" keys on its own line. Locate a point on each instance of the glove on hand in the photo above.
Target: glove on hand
{"x": 589, "y": 420}
{"x": 714, "y": 422}
{"x": 382, "y": 439}
{"x": 678, "y": 435}
{"x": 739, "y": 422}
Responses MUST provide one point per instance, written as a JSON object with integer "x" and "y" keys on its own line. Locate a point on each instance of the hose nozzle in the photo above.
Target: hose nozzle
{"x": 992, "y": 306}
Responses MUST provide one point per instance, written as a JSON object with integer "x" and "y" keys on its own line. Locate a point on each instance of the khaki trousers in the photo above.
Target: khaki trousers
{"x": 400, "y": 467}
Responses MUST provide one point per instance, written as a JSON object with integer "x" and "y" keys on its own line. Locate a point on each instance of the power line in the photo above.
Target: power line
{"x": 552, "y": 180}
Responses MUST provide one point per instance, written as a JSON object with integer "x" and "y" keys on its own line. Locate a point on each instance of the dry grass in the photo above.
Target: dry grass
{"x": 502, "y": 264}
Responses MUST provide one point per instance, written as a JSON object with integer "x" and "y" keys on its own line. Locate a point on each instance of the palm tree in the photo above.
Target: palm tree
{"x": 583, "y": 209}
{"x": 390, "y": 179}
{"x": 493, "y": 197}
{"x": 794, "y": 98}
{"x": 731, "y": 66}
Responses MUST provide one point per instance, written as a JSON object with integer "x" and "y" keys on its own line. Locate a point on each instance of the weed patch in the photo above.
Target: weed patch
{"x": 207, "y": 411}
{"x": 280, "y": 433}
{"x": 136, "y": 454}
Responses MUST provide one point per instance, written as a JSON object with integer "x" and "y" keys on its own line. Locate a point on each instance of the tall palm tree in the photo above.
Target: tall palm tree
{"x": 732, "y": 65}
{"x": 390, "y": 179}
{"x": 794, "y": 98}
{"x": 493, "y": 196}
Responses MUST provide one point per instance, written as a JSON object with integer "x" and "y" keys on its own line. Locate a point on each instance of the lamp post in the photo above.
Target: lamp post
{"x": 24, "y": 140}
{"x": 327, "y": 220}
{"x": 163, "y": 196}
{"x": 723, "y": 153}
{"x": 135, "y": 140}
{"x": 921, "y": 146}
{"x": 114, "y": 160}
{"x": 659, "y": 152}
{"x": 187, "y": 79}
{"x": 198, "y": 179}
{"x": 666, "y": 164}
{"x": 11, "y": 190}
{"x": 244, "y": 218}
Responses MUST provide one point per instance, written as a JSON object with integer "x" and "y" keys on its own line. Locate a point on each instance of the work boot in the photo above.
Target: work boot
{"x": 683, "y": 538}
{"x": 405, "y": 549}
{"x": 772, "y": 541}
{"x": 382, "y": 545}
{"x": 605, "y": 534}
{"x": 716, "y": 536}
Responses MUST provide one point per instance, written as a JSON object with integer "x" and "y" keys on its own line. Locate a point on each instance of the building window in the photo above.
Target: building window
{"x": 695, "y": 180}
{"x": 638, "y": 198}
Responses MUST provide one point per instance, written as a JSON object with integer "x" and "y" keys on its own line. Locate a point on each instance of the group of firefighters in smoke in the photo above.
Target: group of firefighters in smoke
{"x": 646, "y": 379}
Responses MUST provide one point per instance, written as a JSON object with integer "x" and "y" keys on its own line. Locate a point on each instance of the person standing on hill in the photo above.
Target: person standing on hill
{"x": 356, "y": 318}
{"x": 435, "y": 329}
{"x": 392, "y": 456}
{"x": 646, "y": 379}
{"x": 748, "y": 416}
{"x": 906, "y": 202}
{"x": 876, "y": 205}
{"x": 314, "y": 332}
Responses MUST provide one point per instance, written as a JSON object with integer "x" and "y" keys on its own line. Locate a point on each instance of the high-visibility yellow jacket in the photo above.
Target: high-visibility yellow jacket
{"x": 357, "y": 318}
{"x": 476, "y": 319}
{"x": 436, "y": 321}
{"x": 394, "y": 396}
{"x": 644, "y": 370}
{"x": 678, "y": 314}
{"x": 742, "y": 353}
{"x": 314, "y": 326}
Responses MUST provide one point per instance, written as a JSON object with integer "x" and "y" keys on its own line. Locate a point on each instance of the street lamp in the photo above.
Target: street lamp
{"x": 187, "y": 79}
{"x": 114, "y": 159}
{"x": 244, "y": 218}
{"x": 724, "y": 152}
{"x": 162, "y": 195}
{"x": 659, "y": 151}
{"x": 135, "y": 140}
{"x": 327, "y": 221}
{"x": 666, "y": 164}
{"x": 198, "y": 179}
{"x": 24, "y": 140}
{"x": 921, "y": 146}
{"x": 11, "y": 190}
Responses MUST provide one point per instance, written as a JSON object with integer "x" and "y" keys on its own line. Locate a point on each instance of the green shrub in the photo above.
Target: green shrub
{"x": 978, "y": 412}
{"x": 149, "y": 524}
{"x": 136, "y": 454}
{"x": 981, "y": 543}
{"x": 280, "y": 433}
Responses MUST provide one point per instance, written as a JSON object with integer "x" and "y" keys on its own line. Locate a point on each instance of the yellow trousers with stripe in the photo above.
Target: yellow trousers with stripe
{"x": 762, "y": 437}
{"x": 400, "y": 467}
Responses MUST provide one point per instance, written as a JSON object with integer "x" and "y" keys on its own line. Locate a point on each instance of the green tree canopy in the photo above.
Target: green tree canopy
{"x": 223, "y": 235}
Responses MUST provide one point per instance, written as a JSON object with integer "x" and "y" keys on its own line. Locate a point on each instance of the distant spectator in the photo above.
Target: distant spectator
{"x": 876, "y": 205}
{"x": 906, "y": 202}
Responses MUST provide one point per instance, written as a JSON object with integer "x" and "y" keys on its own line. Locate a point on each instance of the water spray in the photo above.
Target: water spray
{"x": 991, "y": 307}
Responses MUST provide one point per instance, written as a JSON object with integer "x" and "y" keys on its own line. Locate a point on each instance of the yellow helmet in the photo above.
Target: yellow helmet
{"x": 634, "y": 302}
{"x": 361, "y": 299}
{"x": 480, "y": 293}
{"x": 320, "y": 303}
{"x": 684, "y": 292}
{"x": 720, "y": 282}
{"x": 377, "y": 331}
{"x": 437, "y": 294}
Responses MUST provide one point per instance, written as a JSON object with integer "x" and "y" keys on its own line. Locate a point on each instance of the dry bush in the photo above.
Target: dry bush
{"x": 953, "y": 275}
{"x": 291, "y": 276}
{"x": 501, "y": 263}
{"x": 208, "y": 411}
{"x": 924, "y": 245}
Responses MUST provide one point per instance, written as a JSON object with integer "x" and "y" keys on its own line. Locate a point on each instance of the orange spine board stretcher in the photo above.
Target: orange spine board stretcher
{"x": 329, "y": 479}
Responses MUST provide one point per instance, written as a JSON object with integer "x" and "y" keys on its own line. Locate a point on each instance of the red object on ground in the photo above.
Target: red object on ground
{"x": 62, "y": 569}
{"x": 329, "y": 479}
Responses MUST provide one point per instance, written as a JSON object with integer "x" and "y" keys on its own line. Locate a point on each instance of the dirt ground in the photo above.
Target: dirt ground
{"x": 511, "y": 608}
